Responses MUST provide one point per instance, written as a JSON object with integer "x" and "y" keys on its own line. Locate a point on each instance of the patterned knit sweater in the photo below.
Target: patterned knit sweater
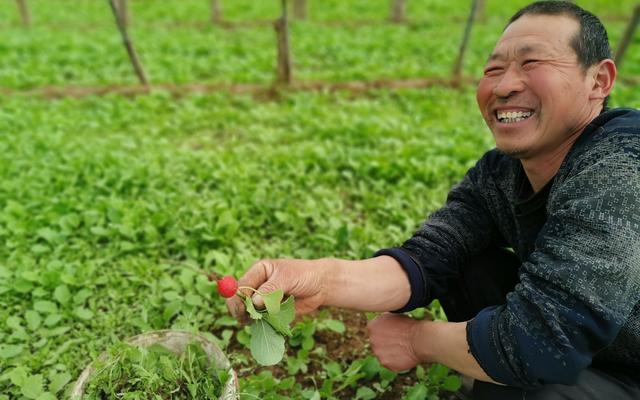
{"x": 578, "y": 300}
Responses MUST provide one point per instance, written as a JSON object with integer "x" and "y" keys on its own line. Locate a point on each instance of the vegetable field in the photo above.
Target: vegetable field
{"x": 111, "y": 205}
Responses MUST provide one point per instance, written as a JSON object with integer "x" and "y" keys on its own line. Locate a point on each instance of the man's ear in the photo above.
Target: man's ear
{"x": 603, "y": 75}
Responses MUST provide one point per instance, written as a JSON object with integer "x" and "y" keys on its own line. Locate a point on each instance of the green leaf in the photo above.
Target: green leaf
{"x": 272, "y": 301}
{"x": 281, "y": 321}
{"x": 226, "y": 320}
{"x": 418, "y": 391}
{"x": 58, "y": 381}
{"x": 370, "y": 367}
{"x": 48, "y": 234}
{"x": 193, "y": 300}
{"x": 171, "y": 310}
{"x": 267, "y": 345}
{"x": 13, "y": 322}
{"x": 83, "y": 313}
{"x": 334, "y": 325}
{"x": 22, "y": 286}
{"x": 62, "y": 294}
{"x": 52, "y": 319}
{"x": 32, "y": 387}
{"x": 10, "y": 350}
{"x": 452, "y": 383}
{"x": 365, "y": 393}
{"x": 5, "y": 273}
{"x": 18, "y": 376}
{"x": 33, "y": 319}
{"x": 46, "y": 396}
{"x": 81, "y": 296}
{"x": 45, "y": 306}
{"x": 333, "y": 369}
{"x": 251, "y": 309}
{"x": 387, "y": 374}
{"x": 437, "y": 373}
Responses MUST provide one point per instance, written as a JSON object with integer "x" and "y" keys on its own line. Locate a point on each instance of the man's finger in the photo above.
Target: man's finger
{"x": 236, "y": 307}
{"x": 256, "y": 275}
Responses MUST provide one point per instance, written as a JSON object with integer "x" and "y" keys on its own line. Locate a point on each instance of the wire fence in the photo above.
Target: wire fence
{"x": 284, "y": 66}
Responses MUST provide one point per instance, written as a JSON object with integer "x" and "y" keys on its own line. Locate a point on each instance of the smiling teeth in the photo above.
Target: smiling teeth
{"x": 513, "y": 116}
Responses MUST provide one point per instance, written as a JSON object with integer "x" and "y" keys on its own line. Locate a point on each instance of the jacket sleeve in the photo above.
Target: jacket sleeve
{"x": 579, "y": 286}
{"x": 460, "y": 229}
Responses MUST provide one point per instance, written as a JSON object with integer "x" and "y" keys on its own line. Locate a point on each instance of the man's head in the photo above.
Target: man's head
{"x": 590, "y": 43}
{"x": 548, "y": 76}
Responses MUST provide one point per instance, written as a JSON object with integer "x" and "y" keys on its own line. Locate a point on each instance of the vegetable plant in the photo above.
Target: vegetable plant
{"x": 133, "y": 372}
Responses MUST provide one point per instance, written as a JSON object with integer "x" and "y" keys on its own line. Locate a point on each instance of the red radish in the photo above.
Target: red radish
{"x": 227, "y": 286}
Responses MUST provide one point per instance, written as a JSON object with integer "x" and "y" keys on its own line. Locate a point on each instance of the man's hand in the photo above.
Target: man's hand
{"x": 303, "y": 279}
{"x": 374, "y": 284}
{"x": 393, "y": 341}
{"x": 401, "y": 343}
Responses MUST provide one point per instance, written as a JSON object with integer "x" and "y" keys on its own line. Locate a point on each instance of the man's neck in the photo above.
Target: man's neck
{"x": 542, "y": 168}
{"x": 540, "y": 172}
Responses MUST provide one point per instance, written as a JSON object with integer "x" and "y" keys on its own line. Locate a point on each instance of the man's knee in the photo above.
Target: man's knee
{"x": 592, "y": 384}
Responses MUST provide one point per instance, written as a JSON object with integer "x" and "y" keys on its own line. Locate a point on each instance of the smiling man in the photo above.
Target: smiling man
{"x": 535, "y": 257}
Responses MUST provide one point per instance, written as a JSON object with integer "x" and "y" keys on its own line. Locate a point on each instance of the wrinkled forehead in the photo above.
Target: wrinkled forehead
{"x": 545, "y": 34}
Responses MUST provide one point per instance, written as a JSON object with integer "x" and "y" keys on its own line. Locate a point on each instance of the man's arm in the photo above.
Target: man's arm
{"x": 375, "y": 284}
{"x": 578, "y": 288}
{"x": 401, "y": 343}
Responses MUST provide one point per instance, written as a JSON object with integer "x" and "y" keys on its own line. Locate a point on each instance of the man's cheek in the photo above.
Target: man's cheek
{"x": 483, "y": 95}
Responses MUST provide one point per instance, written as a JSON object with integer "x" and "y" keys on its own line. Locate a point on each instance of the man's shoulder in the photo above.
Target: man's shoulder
{"x": 606, "y": 156}
{"x": 620, "y": 121}
{"x": 613, "y": 134}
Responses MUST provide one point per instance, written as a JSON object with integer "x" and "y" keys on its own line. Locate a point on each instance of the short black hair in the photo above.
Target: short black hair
{"x": 591, "y": 43}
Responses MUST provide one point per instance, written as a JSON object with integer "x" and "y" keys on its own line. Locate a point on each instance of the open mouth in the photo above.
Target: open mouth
{"x": 510, "y": 117}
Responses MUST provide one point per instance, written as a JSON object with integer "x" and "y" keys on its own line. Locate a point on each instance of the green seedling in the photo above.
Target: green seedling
{"x": 155, "y": 372}
{"x": 270, "y": 325}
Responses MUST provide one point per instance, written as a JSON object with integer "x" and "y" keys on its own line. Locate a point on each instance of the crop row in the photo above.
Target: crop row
{"x": 177, "y": 44}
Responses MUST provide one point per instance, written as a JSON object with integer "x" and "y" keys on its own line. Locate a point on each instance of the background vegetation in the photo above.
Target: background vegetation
{"x": 108, "y": 202}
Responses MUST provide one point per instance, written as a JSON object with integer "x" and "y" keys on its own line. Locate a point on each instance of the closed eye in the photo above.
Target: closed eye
{"x": 491, "y": 71}
{"x": 530, "y": 63}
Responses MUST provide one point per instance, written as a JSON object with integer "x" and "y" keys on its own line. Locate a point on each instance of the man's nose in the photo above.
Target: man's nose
{"x": 510, "y": 83}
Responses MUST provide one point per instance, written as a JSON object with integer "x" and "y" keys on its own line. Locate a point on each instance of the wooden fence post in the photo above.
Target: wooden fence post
{"x": 133, "y": 56}
{"x": 123, "y": 10}
{"x": 398, "y": 8}
{"x": 281, "y": 26}
{"x": 25, "y": 15}
{"x": 481, "y": 7}
{"x": 457, "y": 68}
{"x": 628, "y": 34}
{"x": 300, "y": 9}
{"x": 216, "y": 12}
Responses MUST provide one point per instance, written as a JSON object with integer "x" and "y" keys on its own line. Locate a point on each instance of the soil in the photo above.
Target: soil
{"x": 347, "y": 347}
{"x": 268, "y": 92}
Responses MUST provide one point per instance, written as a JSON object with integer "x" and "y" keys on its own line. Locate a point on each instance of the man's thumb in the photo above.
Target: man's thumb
{"x": 266, "y": 287}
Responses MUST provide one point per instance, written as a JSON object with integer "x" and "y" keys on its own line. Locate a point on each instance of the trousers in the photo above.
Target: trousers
{"x": 485, "y": 281}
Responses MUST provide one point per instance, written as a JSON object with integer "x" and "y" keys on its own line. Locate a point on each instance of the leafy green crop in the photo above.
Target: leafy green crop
{"x": 270, "y": 326}
{"x": 132, "y": 372}
{"x": 108, "y": 204}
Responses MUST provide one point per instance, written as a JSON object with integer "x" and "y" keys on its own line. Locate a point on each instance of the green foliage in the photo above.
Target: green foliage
{"x": 107, "y": 204}
{"x": 340, "y": 41}
{"x": 436, "y": 379}
{"x": 133, "y": 372}
{"x": 270, "y": 326}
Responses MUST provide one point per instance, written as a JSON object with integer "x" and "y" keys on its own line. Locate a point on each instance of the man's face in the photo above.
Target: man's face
{"x": 534, "y": 95}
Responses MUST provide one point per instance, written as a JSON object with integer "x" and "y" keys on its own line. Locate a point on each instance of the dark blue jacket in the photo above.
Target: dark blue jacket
{"x": 578, "y": 299}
